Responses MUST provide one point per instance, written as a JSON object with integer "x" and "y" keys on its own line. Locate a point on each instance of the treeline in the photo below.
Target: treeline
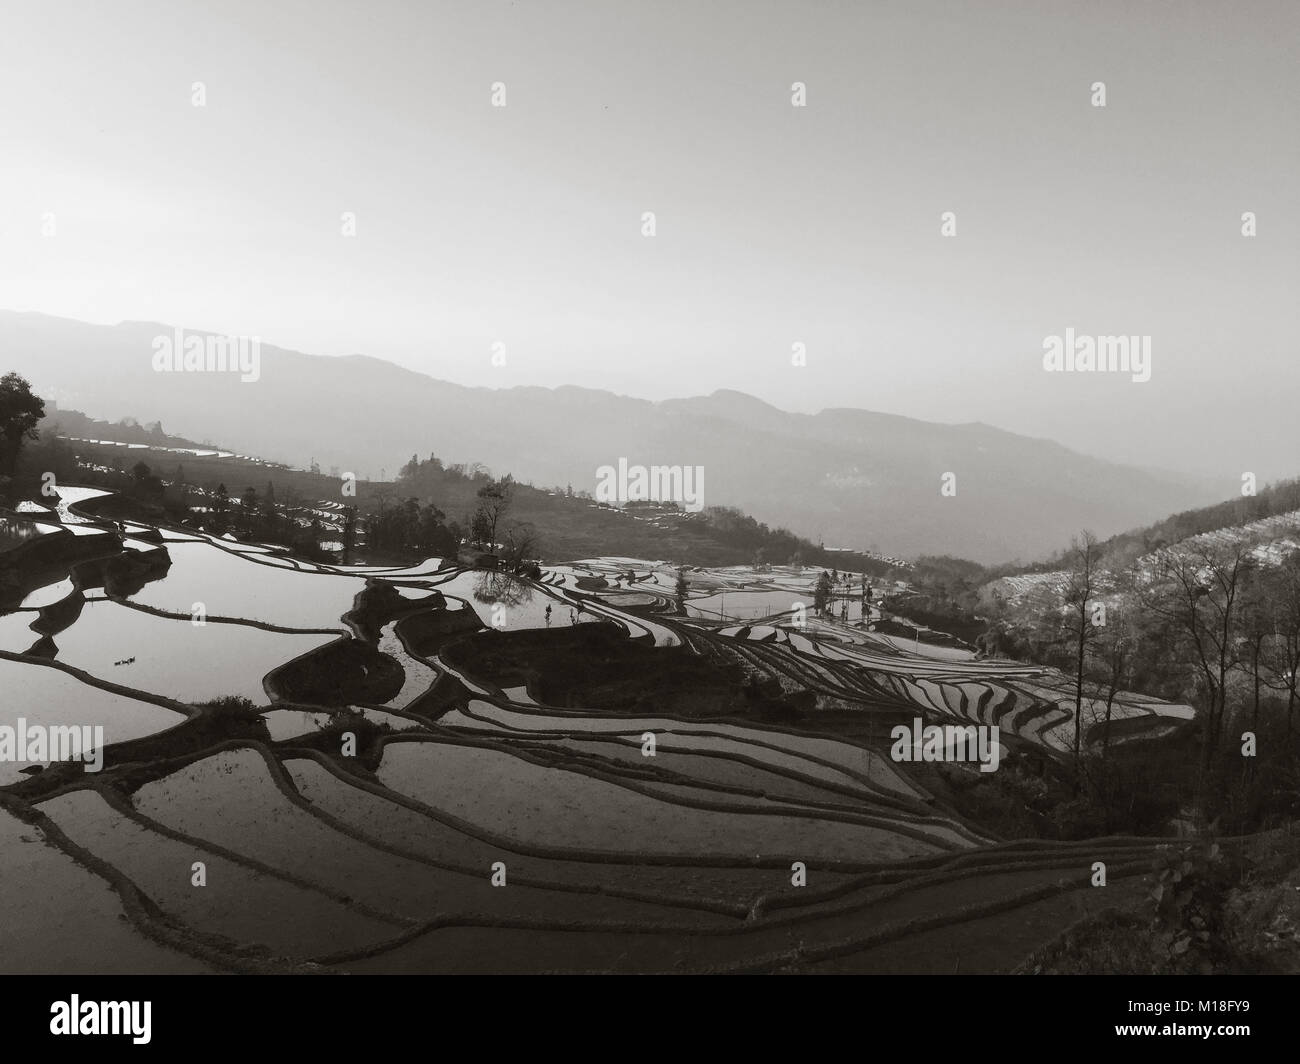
{"x": 946, "y": 577}
{"x": 488, "y": 525}
{"x": 942, "y": 595}
{"x": 411, "y": 527}
{"x": 461, "y": 485}
{"x": 938, "y": 613}
{"x": 433, "y": 503}
{"x": 737, "y": 529}
{"x": 126, "y": 430}
{"x": 1211, "y": 627}
{"x": 1272, "y": 500}
{"x": 253, "y": 515}
{"x": 1121, "y": 550}
{"x": 405, "y": 529}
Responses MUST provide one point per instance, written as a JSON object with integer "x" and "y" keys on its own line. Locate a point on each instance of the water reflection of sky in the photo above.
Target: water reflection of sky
{"x": 50, "y": 697}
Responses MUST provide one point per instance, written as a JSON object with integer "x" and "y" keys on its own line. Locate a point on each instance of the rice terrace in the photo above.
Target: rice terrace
{"x": 639, "y": 489}
{"x": 658, "y": 783}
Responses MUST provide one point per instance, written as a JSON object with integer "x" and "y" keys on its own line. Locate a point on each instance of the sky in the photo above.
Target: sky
{"x": 523, "y": 225}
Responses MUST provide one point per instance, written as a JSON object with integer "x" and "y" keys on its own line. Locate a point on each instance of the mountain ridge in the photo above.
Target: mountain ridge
{"x": 855, "y": 477}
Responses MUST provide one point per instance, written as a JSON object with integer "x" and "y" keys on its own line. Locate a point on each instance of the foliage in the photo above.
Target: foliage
{"x": 1192, "y": 883}
{"x": 20, "y": 412}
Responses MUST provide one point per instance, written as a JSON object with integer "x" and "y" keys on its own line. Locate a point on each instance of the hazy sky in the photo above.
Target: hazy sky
{"x": 775, "y": 224}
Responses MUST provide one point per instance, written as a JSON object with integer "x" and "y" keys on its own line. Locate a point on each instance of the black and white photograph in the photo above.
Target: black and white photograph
{"x": 648, "y": 487}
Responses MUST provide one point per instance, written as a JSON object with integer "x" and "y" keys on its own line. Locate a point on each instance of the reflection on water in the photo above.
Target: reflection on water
{"x": 233, "y": 586}
{"x": 291, "y": 723}
{"x": 69, "y": 496}
{"x": 47, "y": 595}
{"x": 743, "y": 604}
{"x": 491, "y": 588}
{"x": 51, "y": 698}
{"x": 165, "y": 656}
{"x": 521, "y": 604}
{"x": 172, "y": 657}
{"x": 15, "y": 530}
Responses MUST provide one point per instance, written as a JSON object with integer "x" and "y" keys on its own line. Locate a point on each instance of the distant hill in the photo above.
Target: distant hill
{"x": 1267, "y": 522}
{"x": 1271, "y": 515}
{"x": 568, "y": 527}
{"x": 843, "y": 477}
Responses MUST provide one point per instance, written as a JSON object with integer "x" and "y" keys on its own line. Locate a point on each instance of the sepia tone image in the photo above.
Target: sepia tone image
{"x": 649, "y": 488}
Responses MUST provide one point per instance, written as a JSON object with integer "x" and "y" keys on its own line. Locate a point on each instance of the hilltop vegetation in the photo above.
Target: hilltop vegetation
{"x": 840, "y": 476}
{"x": 407, "y": 512}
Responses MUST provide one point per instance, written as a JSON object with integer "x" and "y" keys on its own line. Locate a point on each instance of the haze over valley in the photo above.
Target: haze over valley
{"x": 641, "y": 488}
{"x": 850, "y": 478}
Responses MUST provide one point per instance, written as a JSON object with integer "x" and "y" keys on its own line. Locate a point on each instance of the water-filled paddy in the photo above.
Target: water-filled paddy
{"x": 231, "y": 800}
{"x": 510, "y": 604}
{"x": 47, "y": 596}
{"x": 174, "y": 658}
{"x": 510, "y": 796}
{"x": 51, "y": 907}
{"x": 232, "y": 586}
{"x": 240, "y": 901}
{"x": 310, "y": 854}
{"x": 49, "y": 697}
{"x": 15, "y": 530}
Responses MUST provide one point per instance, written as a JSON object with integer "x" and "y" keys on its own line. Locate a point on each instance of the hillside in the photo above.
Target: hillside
{"x": 1267, "y": 522}
{"x": 851, "y": 477}
{"x": 567, "y": 526}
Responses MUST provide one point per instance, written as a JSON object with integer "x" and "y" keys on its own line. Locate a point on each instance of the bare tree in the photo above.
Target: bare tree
{"x": 1282, "y": 647}
{"x": 1081, "y": 617}
{"x": 494, "y": 500}
{"x": 1197, "y": 592}
{"x": 1115, "y": 648}
{"x": 521, "y": 544}
{"x": 1258, "y": 605}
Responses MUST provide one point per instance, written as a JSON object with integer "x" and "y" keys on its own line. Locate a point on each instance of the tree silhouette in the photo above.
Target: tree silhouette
{"x": 822, "y": 592}
{"x": 494, "y": 500}
{"x": 20, "y": 412}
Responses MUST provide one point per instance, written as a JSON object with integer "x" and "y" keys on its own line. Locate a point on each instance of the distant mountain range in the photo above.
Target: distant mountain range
{"x": 849, "y": 477}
